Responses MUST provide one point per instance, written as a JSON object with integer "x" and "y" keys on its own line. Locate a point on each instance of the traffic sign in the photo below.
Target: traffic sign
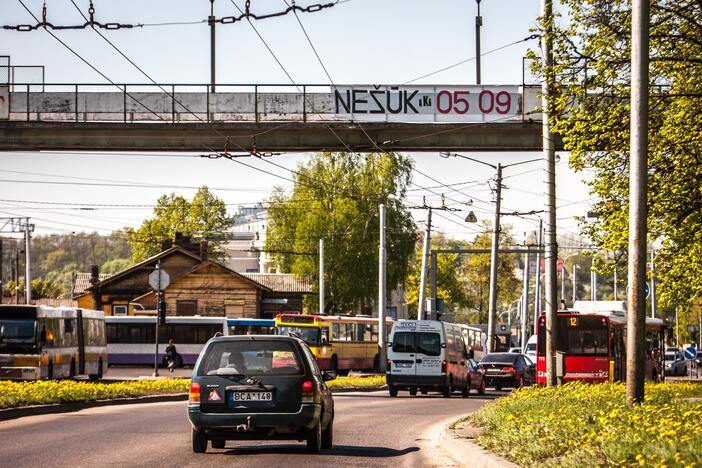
{"x": 690, "y": 353}
{"x": 159, "y": 279}
{"x": 647, "y": 290}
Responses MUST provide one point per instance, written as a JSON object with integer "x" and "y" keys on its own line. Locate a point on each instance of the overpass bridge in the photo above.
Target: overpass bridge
{"x": 268, "y": 118}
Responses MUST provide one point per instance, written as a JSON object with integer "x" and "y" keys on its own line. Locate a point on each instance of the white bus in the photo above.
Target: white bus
{"x": 132, "y": 340}
{"x": 39, "y": 342}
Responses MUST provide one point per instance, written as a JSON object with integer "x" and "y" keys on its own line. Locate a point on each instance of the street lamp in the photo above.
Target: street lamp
{"x": 495, "y": 238}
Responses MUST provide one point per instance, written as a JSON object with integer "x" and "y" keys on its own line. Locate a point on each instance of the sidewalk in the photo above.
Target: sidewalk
{"x": 457, "y": 441}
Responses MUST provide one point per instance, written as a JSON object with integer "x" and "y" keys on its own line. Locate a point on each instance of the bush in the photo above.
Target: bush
{"x": 375, "y": 381}
{"x": 582, "y": 424}
{"x": 13, "y": 394}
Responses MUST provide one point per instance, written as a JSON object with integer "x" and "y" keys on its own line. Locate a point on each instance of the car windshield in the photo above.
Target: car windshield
{"x": 309, "y": 335}
{"x": 530, "y": 348}
{"x": 670, "y": 356}
{"x": 499, "y": 358}
{"x": 11, "y": 329}
{"x": 250, "y": 357}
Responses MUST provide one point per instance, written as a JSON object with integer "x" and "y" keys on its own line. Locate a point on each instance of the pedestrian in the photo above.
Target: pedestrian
{"x": 171, "y": 354}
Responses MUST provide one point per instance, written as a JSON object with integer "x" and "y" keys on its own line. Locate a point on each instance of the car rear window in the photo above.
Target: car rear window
{"x": 504, "y": 358}
{"x": 251, "y": 357}
{"x": 417, "y": 342}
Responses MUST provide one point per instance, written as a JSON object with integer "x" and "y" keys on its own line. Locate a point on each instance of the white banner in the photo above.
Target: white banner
{"x": 473, "y": 103}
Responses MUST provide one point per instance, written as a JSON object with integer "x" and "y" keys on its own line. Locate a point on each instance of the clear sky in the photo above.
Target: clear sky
{"x": 359, "y": 41}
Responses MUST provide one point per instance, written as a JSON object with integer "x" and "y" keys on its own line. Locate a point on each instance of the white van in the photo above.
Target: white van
{"x": 427, "y": 355}
{"x": 530, "y": 348}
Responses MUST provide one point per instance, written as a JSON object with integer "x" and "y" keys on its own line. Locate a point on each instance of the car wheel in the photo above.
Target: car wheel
{"x": 218, "y": 443}
{"x": 413, "y": 391}
{"x": 446, "y": 391}
{"x": 328, "y": 435}
{"x": 393, "y": 391}
{"x": 199, "y": 441}
{"x": 481, "y": 389}
{"x": 424, "y": 392}
{"x": 314, "y": 438}
{"x": 466, "y": 390}
{"x": 520, "y": 382}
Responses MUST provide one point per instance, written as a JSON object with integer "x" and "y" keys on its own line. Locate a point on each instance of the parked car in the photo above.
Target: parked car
{"x": 476, "y": 377}
{"x": 507, "y": 370}
{"x": 674, "y": 362}
{"x": 259, "y": 387}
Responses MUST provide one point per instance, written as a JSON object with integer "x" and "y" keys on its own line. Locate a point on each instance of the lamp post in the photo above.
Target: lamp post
{"x": 478, "y": 24}
{"x": 492, "y": 311}
{"x": 575, "y": 287}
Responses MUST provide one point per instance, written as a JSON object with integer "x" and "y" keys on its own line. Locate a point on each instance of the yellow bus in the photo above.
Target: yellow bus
{"x": 338, "y": 342}
{"x": 38, "y": 342}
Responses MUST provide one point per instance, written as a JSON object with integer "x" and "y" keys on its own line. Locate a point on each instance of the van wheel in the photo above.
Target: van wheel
{"x": 466, "y": 390}
{"x": 328, "y": 435}
{"x": 393, "y": 391}
{"x": 314, "y": 438}
{"x": 218, "y": 443}
{"x": 199, "y": 441}
{"x": 413, "y": 391}
{"x": 481, "y": 389}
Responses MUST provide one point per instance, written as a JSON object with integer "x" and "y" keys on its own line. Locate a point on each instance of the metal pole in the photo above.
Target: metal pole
{"x": 525, "y": 302}
{"x": 421, "y": 311}
{"x": 478, "y": 24}
{"x": 653, "y": 283}
{"x": 432, "y": 290}
{"x": 638, "y": 181}
{"x": 563, "y": 273}
{"x": 28, "y": 261}
{"x": 211, "y": 22}
{"x": 158, "y": 311}
{"x": 493, "y": 262}
{"x": 537, "y": 286}
{"x": 677, "y": 328}
{"x": 615, "y": 282}
{"x": 382, "y": 264}
{"x": 593, "y": 281}
{"x": 15, "y": 274}
{"x": 551, "y": 251}
{"x": 1, "y": 262}
{"x": 321, "y": 277}
{"x": 575, "y": 286}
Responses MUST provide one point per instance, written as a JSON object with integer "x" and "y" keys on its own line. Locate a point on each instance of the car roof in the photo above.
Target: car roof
{"x": 256, "y": 338}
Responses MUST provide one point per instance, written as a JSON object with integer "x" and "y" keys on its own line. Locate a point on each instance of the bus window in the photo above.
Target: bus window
{"x": 336, "y": 332}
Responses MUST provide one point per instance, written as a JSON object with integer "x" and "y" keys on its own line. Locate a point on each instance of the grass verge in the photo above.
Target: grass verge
{"x": 376, "y": 381}
{"x": 15, "y": 394}
{"x": 590, "y": 425}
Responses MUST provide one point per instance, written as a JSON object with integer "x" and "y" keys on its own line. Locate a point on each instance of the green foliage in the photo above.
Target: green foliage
{"x": 336, "y": 197}
{"x": 584, "y": 424}
{"x": 114, "y": 266}
{"x": 41, "y": 289}
{"x": 593, "y": 69}
{"x": 205, "y": 217}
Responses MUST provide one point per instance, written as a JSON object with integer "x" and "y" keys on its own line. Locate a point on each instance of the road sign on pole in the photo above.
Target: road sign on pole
{"x": 690, "y": 353}
{"x": 159, "y": 279}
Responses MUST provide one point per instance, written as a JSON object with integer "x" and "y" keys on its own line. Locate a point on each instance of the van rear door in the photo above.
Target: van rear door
{"x": 428, "y": 357}
{"x": 402, "y": 355}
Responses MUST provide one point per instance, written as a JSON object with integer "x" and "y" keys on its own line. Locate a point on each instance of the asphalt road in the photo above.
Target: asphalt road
{"x": 370, "y": 429}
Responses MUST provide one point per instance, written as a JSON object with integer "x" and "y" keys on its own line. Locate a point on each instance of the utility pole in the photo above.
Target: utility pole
{"x": 433, "y": 280}
{"x": 492, "y": 310}
{"x": 653, "y": 284}
{"x": 1, "y": 264}
{"x": 575, "y": 285}
{"x": 211, "y": 21}
{"x": 638, "y": 182}
{"x": 478, "y": 24}
{"x": 15, "y": 276}
{"x": 593, "y": 281}
{"x": 382, "y": 264}
{"x": 525, "y": 302}
{"x": 28, "y": 263}
{"x": 616, "y": 280}
{"x": 563, "y": 273}
{"x": 549, "y": 155}
{"x": 537, "y": 286}
{"x": 321, "y": 277}
{"x": 421, "y": 314}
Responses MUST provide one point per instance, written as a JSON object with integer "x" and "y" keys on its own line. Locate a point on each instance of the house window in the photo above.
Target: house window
{"x": 186, "y": 307}
{"x": 119, "y": 309}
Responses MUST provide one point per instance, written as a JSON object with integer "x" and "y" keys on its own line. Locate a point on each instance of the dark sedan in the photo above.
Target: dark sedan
{"x": 476, "y": 377}
{"x": 507, "y": 370}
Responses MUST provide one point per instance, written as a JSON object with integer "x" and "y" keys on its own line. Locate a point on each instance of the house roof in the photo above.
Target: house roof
{"x": 153, "y": 259}
{"x": 228, "y": 270}
{"x": 278, "y": 282}
{"x": 82, "y": 282}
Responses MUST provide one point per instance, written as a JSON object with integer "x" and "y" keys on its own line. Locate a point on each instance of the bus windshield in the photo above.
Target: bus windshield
{"x": 12, "y": 330}
{"x": 309, "y": 335}
{"x": 578, "y": 336}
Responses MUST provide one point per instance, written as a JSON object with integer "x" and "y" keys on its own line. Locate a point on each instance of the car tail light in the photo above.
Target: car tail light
{"x": 509, "y": 369}
{"x": 443, "y": 366}
{"x": 194, "y": 393}
{"x": 388, "y": 363}
{"x": 308, "y": 391}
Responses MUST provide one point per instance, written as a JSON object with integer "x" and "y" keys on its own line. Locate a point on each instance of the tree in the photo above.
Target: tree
{"x": 115, "y": 266}
{"x": 205, "y": 217}
{"x": 335, "y": 197}
{"x": 41, "y": 289}
{"x": 593, "y": 67}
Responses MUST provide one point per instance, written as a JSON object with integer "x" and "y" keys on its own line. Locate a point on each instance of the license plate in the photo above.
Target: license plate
{"x": 403, "y": 365}
{"x": 252, "y": 396}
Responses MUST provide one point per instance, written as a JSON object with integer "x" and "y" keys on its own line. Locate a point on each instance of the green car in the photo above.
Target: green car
{"x": 259, "y": 387}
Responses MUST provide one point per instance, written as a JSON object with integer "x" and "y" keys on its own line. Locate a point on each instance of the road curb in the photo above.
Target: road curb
{"x": 22, "y": 411}
{"x": 467, "y": 453}
{"x": 359, "y": 389}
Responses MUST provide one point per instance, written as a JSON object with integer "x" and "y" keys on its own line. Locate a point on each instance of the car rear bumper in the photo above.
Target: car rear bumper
{"x": 415, "y": 381}
{"x": 508, "y": 380}
{"x": 259, "y": 425}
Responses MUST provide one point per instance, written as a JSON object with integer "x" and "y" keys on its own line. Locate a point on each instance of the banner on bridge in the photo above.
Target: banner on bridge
{"x": 427, "y": 103}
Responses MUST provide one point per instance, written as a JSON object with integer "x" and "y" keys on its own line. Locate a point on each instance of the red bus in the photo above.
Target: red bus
{"x": 591, "y": 344}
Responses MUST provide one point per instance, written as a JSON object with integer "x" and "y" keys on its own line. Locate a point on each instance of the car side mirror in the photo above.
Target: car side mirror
{"x": 329, "y": 375}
